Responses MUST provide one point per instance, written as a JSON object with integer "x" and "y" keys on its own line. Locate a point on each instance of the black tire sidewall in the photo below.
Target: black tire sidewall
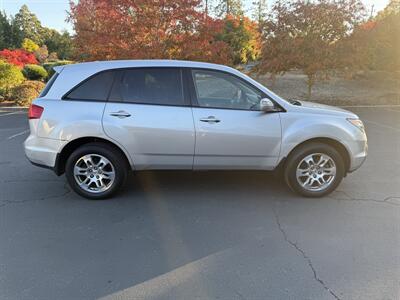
{"x": 303, "y": 151}
{"x": 111, "y": 154}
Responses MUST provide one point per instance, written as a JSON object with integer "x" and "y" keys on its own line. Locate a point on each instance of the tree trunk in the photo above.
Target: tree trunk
{"x": 310, "y": 84}
{"x": 273, "y": 80}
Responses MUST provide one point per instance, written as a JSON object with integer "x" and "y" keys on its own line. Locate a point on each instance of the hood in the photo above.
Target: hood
{"x": 324, "y": 109}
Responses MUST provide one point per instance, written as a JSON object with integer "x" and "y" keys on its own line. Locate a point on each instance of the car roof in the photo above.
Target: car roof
{"x": 71, "y": 75}
{"x": 116, "y": 64}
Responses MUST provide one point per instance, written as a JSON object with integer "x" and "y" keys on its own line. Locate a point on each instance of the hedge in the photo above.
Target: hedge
{"x": 35, "y": 72}
{"x": 26, "y": 92}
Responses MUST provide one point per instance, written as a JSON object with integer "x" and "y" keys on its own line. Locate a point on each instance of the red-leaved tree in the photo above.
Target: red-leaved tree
{"x": 127, "y": 29}
{"x": 18, "y": 57}
{"x": 304, "y": 35}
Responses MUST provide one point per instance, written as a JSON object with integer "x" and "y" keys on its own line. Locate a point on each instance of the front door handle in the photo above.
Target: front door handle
{"x": 120, "y": 114}
{"x": 210, "y": 119}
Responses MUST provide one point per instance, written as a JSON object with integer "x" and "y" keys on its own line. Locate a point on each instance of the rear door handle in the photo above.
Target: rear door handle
{"x": 210, "y": 119}
{"x": 120, "y": 114}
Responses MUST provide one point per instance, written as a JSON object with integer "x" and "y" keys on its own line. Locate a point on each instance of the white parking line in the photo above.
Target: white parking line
{"x": 13, "y": 113}
{"x": 18, "y": 134}
{"x": 370, "y": 106}
{"x": 381, "y": 125}
{"x": 389, "y": 109}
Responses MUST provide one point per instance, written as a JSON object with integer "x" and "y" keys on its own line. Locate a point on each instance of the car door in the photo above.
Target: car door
{"x": 148, "y": 112}
{"x": 231, "y": 131}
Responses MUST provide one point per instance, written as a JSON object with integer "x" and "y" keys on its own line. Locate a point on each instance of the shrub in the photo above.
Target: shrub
{"x": 52, "y": 57}
{"x": 35, "y": 72}
{"x": 42, "y": 54}
{"x": 18, "y": 57}
{"x": 50, "y": 65}
{"x": 26, "y": 92}
{"x": 10, "y": 76}
{"x": 29, "y": 45}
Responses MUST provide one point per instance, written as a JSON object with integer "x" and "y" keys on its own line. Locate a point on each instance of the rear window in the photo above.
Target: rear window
{"x": 149, "y": 86}
{"x": 48, "y": 85}
{"x": 95, "y": 88}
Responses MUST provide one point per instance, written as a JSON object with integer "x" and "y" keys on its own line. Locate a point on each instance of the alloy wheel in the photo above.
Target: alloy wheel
{"x": 316, "y": 172}
{"x": 94, "y": 173}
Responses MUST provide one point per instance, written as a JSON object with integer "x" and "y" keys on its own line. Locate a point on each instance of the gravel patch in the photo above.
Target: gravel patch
{"x": 371, "y": 88}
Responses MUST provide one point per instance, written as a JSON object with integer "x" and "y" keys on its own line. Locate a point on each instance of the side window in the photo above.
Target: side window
{"x": 220, "y": 90}
{"x": 149, "y": 86}
{"x": 95, "y": 88}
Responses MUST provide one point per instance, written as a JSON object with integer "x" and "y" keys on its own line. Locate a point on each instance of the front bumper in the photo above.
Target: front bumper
{"x": 359, "y": 151}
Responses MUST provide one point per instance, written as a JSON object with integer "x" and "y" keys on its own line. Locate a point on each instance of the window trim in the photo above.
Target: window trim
{"x": 49, "y": 85}
{"x": 193, "y": 94}
{"x": 185, "y": 91}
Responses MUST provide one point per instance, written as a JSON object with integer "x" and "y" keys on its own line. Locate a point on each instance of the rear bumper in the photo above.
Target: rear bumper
{"x": 42, "y": 152}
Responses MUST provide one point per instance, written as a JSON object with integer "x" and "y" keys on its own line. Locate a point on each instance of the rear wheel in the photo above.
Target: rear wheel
{"x": 314, "y": 170}
{"x": 96, "y": 171}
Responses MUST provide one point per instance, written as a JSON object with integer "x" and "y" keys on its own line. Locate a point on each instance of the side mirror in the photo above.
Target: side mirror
{"x": 267, "y": 105}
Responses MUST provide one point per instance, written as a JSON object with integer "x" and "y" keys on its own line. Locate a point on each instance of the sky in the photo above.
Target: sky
{"x": 53, "y": 13}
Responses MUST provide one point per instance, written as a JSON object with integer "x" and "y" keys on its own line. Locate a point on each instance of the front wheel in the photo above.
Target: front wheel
{"x": 314, "y": 170}
{"x": 96, "y": 171}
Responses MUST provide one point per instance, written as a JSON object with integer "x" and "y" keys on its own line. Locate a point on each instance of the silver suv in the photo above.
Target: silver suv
{"x": 96, "y": 121}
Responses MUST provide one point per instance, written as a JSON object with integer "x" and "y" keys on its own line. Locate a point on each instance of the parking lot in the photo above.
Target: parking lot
{"x": 204, "y": 235}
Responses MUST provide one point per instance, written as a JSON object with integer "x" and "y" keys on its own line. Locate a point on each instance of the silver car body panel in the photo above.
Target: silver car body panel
{"x": 241, "y": 140}
{"x": 156, "y": 136}
{"x": 172, "y": 137}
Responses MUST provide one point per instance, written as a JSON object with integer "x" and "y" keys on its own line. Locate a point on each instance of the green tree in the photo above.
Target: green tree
{"x": 60, "y": 43}
{"x": 29, "y": 25}
{"x": 243, "y": 38}
{"x": 5, "y": 32}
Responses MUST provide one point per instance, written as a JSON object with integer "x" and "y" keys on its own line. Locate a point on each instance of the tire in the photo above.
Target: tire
{"x": 96, "y": 160}
{"x": 306, "y": 177}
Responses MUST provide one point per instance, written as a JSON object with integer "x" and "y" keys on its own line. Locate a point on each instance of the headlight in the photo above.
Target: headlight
{"x": 358, "y": 123}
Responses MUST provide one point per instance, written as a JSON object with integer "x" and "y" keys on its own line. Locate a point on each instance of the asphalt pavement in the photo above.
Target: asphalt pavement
{"x": 204, "y": 235}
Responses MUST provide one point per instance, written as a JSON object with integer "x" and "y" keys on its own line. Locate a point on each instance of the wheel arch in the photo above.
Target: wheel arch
{"x": 338, "y": 146}
{"x": 71, "y": 146}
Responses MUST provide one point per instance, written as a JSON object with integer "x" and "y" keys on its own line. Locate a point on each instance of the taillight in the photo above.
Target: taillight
{"x": 35, "y": 111}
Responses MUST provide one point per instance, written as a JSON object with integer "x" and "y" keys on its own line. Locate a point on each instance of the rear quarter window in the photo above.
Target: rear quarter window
{"x": 94, "y": 88}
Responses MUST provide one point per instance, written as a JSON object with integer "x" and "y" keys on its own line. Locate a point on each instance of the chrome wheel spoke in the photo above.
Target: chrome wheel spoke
{"x": 321, "y": 180}
{"x": 80, "y": 171}
{"x": 309, "y": 160}
{"x": 108, "y": 175}
{"x": 323, "y": 160}
{"x": 308, "y": 181}
{"x": 301, "y": 172}
{"x": 85, "y": 182}
{"x": 102, "y": 163}
{"x": 98, "y": 183}
{"x": 88, "y": 160}
{"x": 329, "y": 171}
